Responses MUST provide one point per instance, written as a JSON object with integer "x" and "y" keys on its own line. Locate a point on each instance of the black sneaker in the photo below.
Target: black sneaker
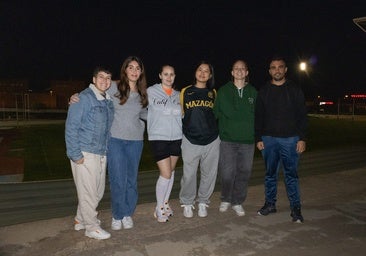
{"x": 296, "y": 215}
{"x": 267, "y": 209}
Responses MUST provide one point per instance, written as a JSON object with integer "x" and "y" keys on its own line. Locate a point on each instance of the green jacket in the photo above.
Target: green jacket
{"x": 235, "y": 113}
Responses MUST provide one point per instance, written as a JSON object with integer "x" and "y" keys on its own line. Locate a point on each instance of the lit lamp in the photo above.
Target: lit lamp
{"x": 302, "y": 66}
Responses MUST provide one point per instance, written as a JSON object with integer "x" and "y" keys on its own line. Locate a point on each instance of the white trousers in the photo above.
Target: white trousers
{"x": 89, "y": 179}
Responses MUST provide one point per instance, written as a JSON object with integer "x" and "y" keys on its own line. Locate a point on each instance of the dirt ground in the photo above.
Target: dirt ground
{"x": 9, "y": 164}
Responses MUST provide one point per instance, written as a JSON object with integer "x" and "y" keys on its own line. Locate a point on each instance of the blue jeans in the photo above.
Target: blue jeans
{"x": 281, "y": 151}
{"x": 123, "y": 158}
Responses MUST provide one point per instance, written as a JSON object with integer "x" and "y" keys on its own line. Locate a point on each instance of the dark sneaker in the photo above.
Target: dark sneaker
{"x": 267, "y": 209}
{"x": 296, "y": 215}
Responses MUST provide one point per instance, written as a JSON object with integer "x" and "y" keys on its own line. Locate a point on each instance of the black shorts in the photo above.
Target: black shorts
{"x": 162, "y": 149}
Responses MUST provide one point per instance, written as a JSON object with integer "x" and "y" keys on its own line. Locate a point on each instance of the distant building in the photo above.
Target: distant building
{"x": 15, "y": 94}
{"x": 62, "y": 90}
{"x": 14, "y": 85}
{"x": 11, "y": 90}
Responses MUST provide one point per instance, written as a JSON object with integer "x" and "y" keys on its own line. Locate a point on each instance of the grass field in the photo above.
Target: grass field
{"x": 45, "y": 159}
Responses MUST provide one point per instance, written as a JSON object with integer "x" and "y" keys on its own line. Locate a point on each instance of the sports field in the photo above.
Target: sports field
{"x": 37, "y": 149}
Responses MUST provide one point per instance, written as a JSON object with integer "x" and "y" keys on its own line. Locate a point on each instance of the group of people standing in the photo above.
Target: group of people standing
{"x": 212, "y": 130}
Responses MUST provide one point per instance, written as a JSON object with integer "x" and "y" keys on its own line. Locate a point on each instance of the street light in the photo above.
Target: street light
{"x": 303, "y": 66}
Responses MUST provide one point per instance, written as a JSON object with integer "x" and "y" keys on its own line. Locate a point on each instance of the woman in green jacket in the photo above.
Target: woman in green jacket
{"x": 234, "y": 108}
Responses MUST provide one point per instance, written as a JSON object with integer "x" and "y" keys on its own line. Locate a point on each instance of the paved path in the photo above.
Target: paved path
{"x": 334, "y": 207}
{"x": 30, "y": 201}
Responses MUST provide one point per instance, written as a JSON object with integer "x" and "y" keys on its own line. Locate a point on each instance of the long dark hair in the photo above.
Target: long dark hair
{"x": 124, "y": 87}
{"x": 211, "y": 82}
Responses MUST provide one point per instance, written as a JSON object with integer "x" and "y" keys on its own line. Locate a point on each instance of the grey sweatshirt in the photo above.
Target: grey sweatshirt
{"x": 164, "y": 116}
{"x": 127, "y": 123}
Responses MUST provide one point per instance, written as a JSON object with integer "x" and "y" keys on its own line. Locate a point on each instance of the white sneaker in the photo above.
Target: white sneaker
{"x": 188, "y": 210}
{"x": 239, "y": 210}
{"x": 98, "y": 234}
{"x": 160, "y": 214}
{"x": 116, "y": 224}
{"x": 127, "y": 222}
{"x": 202, "y": 211}
{"x": 79, "y": 226}
{"x": 168, "y": 210}
{"x": 224, "y": 206}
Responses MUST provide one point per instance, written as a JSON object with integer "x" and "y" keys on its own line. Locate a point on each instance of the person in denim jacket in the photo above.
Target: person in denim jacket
{"x": 87, "y": 132}
{"x": 126, "y": 142}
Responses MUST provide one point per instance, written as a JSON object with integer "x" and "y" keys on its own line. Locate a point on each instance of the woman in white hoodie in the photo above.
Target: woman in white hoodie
{"x": 164, "y": 128}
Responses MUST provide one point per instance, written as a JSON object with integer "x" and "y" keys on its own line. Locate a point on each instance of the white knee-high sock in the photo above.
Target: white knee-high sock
{"x": 169, "y": 188}
{"x": 161, "y": 188}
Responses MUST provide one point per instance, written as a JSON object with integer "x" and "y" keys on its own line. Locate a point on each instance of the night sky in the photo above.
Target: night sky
{"x": 49, "y": 40}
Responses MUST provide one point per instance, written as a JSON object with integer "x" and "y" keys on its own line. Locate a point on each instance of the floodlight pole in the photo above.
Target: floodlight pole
{"x": 353, "y": 109}
{"x": 361, "y": 23}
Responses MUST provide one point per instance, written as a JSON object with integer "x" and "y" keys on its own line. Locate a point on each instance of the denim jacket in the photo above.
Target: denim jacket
{"x": 88, "y": 124}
